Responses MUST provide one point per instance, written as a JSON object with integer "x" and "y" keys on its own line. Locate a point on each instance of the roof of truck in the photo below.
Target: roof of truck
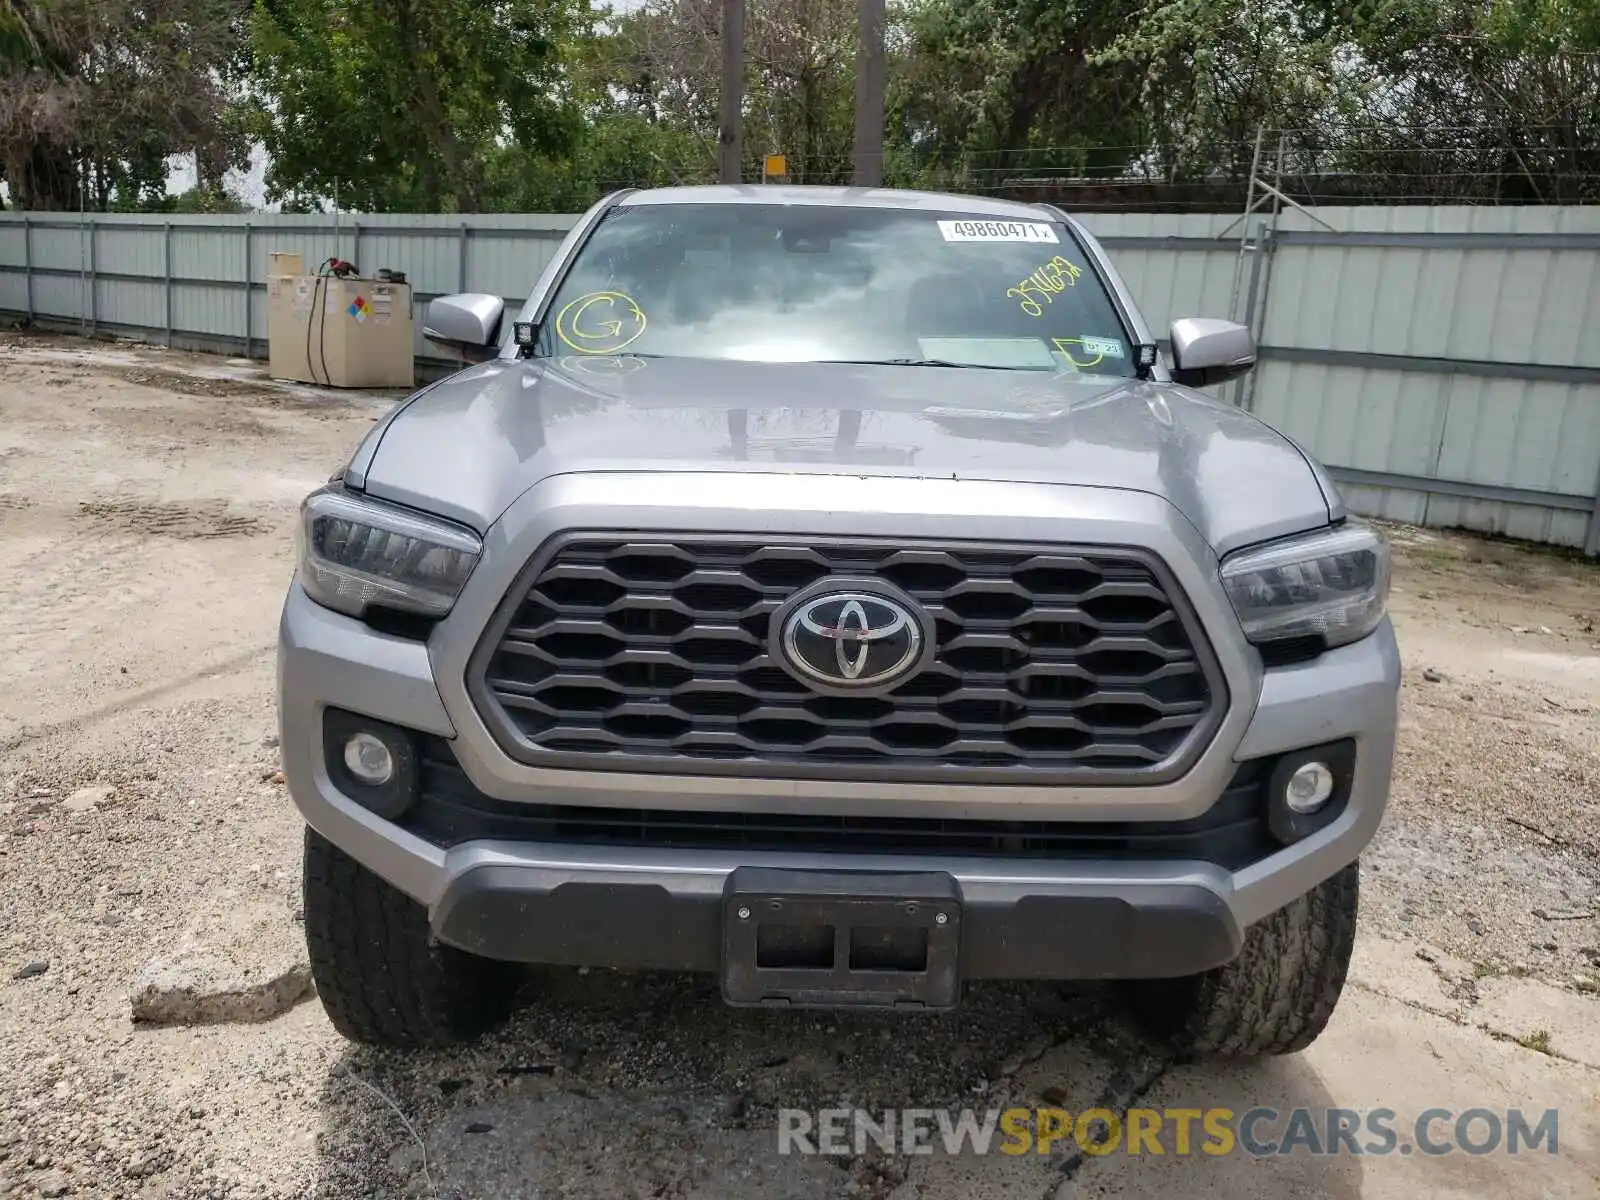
{"x": 855, "y": 197}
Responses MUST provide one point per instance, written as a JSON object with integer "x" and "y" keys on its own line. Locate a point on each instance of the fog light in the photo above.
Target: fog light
{"x": 368, "y": 759}
{"x": 1308, "y": 788}
{"x": 372, "y": 762}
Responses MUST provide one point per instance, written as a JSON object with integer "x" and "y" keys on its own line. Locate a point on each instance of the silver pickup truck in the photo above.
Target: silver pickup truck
{"x": 841, "y": 592}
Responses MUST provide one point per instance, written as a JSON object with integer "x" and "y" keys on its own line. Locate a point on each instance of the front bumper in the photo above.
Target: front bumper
{"x": 644, "y": 907}
{"x": 579, "y": 910}
{"x": 649, "y": 906}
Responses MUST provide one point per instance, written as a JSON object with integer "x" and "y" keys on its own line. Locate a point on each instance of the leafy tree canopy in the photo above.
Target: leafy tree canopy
{"x": 463, "y": 106}
{"x": 95, "y": 95}
{"x": 403, "y": 104}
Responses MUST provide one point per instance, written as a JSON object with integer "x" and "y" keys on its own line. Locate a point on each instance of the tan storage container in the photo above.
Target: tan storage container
{"x": 285, "y": 262}
{"x": 339, "y": 332}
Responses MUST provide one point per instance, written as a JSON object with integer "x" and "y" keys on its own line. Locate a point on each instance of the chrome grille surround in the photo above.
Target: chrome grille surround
{"x": 649, "y": 652}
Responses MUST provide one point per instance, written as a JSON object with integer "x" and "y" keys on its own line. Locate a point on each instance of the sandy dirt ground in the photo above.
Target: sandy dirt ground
{"x": 147, "y": 502}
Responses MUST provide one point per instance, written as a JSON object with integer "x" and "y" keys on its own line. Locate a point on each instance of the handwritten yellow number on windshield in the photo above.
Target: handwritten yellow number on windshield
{"x": 1055, "y": 277}
{"x": 600, "y": 323}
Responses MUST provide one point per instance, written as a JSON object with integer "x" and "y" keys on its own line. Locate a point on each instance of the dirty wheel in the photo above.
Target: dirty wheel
{"x": 1277, "y": 996}
{"x": 382, "y": 978}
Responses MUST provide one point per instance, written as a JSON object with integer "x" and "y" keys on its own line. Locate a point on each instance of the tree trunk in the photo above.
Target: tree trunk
{"x": 1028, "y": 86}
{"x": 730, "y": 133}
{"x": 46, "y": 181}
{"x": 810, "y": 127}
{"x": 460, "y": 175}
{"x": 460, "y": 181}
{"x": 868, "y": 149}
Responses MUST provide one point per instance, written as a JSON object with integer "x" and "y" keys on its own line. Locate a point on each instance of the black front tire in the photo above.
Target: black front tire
{"x": 1277, "y": 996}
{"x": 380, "y": 975}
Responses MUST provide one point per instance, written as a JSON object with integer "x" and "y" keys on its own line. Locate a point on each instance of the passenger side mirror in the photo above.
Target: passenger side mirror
{"x": 468, "y": 321}
{"x": 1207, "y": 351}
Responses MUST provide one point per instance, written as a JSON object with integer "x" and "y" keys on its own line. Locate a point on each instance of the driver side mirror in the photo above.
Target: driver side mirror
{"x": 1207, "y": 351}
{"x": 467, "y": 321}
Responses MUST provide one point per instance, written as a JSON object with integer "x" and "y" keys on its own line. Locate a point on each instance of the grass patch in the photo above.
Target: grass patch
{"x": 1422, "y": 554}
{"x": 1538, "y": 1040}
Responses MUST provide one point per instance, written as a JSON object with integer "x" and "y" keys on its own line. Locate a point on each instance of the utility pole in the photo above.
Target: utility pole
{"x": 869, "y": 93}
{"x": 730, "y": 141}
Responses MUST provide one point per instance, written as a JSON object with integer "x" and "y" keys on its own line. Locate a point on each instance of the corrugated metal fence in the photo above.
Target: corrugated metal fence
{"x": 1444, "y": 362}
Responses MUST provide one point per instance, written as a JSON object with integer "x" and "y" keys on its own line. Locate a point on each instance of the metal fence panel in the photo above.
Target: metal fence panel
{"x": 1497, "y": 305}
{"x": 1525, "y": 435}
{"x": 61, "y": 297}
{"x": 1444, "y": 362}
{"x": 1173, "y": 283}
{"x": 1378, "y": 420}
{"x": 129, "y": 302}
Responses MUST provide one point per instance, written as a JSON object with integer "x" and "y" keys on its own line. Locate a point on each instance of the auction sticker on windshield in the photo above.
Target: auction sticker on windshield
{"x": 997, "y": 231}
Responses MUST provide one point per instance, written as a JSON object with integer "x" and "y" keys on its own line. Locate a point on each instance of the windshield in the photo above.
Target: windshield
{"x": 810, "y": 283}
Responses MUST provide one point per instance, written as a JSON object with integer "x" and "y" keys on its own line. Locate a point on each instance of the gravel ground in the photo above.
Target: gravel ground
{"x": 1491, "y": 849}
{"x": 146, "y": 505}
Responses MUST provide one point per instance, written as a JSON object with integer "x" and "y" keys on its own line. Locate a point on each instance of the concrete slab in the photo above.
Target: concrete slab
{"x": 1378, "y": 1054}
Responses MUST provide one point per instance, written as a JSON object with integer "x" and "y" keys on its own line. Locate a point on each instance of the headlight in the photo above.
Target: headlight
{"x": 1332, "y": 585}
{"x": 355, "y": 554}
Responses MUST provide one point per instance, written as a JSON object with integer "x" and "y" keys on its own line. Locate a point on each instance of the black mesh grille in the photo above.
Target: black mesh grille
{"x": 1232, "y": 833}
{"x": 656, "y": 652}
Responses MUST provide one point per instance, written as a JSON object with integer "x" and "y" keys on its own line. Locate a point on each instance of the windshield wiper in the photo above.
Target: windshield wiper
{"x": 923, "y": 362}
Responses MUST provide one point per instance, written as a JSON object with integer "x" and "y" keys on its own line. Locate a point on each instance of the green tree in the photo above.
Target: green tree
{"x": 985, "y": 90}
{"x": 1214, "y": 72}
{"x": 405, "y": 105}
{"x": 613, "y": 150}
{"x": 95, "y": 95}
{"x": 664, "y": 62}
{"x": 1384, "y": 100}
{"x": 631, "y": 133}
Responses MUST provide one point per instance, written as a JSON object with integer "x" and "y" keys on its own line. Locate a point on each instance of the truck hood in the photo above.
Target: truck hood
{"x": 466, "y": 447}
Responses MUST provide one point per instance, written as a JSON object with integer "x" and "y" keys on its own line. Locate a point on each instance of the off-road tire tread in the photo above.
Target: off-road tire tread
{"x": 1278, "y": 995}
{"x": 380, "y": 975}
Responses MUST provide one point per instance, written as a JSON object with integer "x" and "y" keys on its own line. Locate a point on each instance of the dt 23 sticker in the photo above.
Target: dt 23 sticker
{"x": 1055, "y": 277}
{"x": 1096, "y": 350}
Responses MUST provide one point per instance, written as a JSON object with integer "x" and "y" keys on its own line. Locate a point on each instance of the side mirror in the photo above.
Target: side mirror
{"x": 469, "y": 321}
{"x": 1206, "y": 351}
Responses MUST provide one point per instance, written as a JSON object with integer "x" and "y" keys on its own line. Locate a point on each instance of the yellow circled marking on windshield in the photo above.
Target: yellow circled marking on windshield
{"x": 601, "y": 334}
{"x": 1061, "y": 344}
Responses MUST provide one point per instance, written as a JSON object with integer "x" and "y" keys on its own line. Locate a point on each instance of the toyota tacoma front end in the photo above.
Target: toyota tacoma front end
{"x": 833, "y": 590}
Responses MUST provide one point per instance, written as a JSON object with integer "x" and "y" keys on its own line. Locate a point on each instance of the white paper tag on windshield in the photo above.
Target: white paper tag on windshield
{"x": 1104, "y": 347}
{"x": 997, "y": 231}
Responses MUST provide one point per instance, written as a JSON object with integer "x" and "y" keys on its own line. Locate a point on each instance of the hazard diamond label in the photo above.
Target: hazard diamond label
{"x": 359, "y": 308}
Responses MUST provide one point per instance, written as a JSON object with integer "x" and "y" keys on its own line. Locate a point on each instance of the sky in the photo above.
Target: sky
{"x": 250, "y": 185}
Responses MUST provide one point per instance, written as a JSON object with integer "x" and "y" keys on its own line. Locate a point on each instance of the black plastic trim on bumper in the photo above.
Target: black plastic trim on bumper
{"x": 1232, "y": 833}
{"x": 1111, "y": 931}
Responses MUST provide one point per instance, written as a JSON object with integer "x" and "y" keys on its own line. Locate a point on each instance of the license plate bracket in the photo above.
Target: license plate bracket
{"x": 841, "y": 939}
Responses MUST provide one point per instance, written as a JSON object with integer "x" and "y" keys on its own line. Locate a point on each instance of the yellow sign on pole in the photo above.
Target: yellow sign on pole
{"x": 776, "y": 166}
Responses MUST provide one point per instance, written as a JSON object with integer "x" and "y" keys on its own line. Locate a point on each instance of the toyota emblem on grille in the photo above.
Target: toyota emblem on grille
{"x": 850, "y": 639}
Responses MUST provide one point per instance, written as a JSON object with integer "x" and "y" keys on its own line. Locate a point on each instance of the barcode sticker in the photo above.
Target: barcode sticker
{"x": 997, "y": 231}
